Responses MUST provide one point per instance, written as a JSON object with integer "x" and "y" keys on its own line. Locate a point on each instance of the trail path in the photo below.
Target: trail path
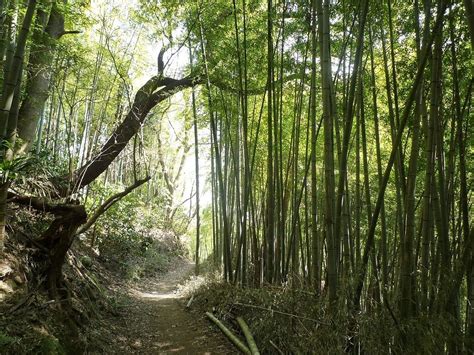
{"x": 155, "y": 321}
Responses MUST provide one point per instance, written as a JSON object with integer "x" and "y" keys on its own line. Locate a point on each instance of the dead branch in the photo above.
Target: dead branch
{"x": 44, "y": 205}
{"x": 279, "y": 312}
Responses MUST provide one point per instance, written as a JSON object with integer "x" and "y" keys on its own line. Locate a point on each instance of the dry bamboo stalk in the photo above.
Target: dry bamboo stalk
{"x": 276, "y": 348}
{"x": 190, "y": 301}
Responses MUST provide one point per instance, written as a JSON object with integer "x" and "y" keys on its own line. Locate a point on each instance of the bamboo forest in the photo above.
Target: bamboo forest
{"x": 236, "y": 176}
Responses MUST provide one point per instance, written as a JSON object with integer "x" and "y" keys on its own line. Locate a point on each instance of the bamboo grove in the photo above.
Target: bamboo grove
{"x": 339, "y": 135}
{"x": 345, "y": 168}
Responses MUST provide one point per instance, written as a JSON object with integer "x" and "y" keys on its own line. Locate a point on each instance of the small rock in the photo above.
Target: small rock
{"x": 18, "y": 280}
{"x": 5, "y": 269}
{"x": 136, "y": 345}
{"x": 7, "y": 286}
{"x": 5, "y": 289}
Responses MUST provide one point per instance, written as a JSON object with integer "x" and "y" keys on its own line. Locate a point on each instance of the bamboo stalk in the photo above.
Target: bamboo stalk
{"x": 241, "y": 346}
{"x": 248, "y": 336}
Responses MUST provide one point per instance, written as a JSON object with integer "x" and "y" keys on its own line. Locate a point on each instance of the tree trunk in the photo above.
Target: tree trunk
{"x": 406, "y": 112}
{"x": 39, "y": 73}
{"x": 59, "y": 236}
{"x": 328, "y": 119}
{"x": 14, "y": 70}
{"x": 196, "y": 167}
{"x": 146, "y": 98}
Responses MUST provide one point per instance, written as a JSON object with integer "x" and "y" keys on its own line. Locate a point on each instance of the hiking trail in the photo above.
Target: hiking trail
{"x": 155, "y": 320}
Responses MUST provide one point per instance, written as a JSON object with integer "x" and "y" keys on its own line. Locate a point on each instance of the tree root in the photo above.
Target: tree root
{"x": 58, "y": 237}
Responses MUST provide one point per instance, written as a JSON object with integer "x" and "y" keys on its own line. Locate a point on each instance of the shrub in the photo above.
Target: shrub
{"x": 128, "y": 236}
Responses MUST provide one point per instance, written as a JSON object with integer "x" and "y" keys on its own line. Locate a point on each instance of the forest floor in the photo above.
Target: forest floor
{"x": 153, "y": 319}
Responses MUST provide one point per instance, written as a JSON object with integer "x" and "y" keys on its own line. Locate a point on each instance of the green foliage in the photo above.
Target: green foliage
{"x": 93, "y": 77}
{"x": 299, "y": 324}
{"x": 118, "y": 222}
{"x": 147, "y": 263}
{"x": 127, "y": 236}
{"x": 49, "y": 345}
{"x": 12, "y": 169}
{"x": 38, "y": 342}
{"x": 310, "y": 327}
{"x": 33, "y": 173}
{"x": 7, "y": 340}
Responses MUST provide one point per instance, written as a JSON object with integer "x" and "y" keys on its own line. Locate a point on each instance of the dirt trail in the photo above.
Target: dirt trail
{"x": 155, "y": 321}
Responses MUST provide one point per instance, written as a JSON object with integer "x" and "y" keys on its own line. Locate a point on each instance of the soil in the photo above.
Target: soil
{"x": 153, "y": 319}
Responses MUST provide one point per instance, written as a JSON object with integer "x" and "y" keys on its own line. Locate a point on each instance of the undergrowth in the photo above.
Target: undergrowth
{"x": 127, "y": 246}
{"x": 130, "y": 237}
{"x": 288, "y": 320}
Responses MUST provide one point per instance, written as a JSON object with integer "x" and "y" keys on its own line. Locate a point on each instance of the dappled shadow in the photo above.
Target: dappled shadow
{"x": 155, "y": 321}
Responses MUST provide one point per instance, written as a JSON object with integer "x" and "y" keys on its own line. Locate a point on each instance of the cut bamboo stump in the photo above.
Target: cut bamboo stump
{"x": 188, "y": 305}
